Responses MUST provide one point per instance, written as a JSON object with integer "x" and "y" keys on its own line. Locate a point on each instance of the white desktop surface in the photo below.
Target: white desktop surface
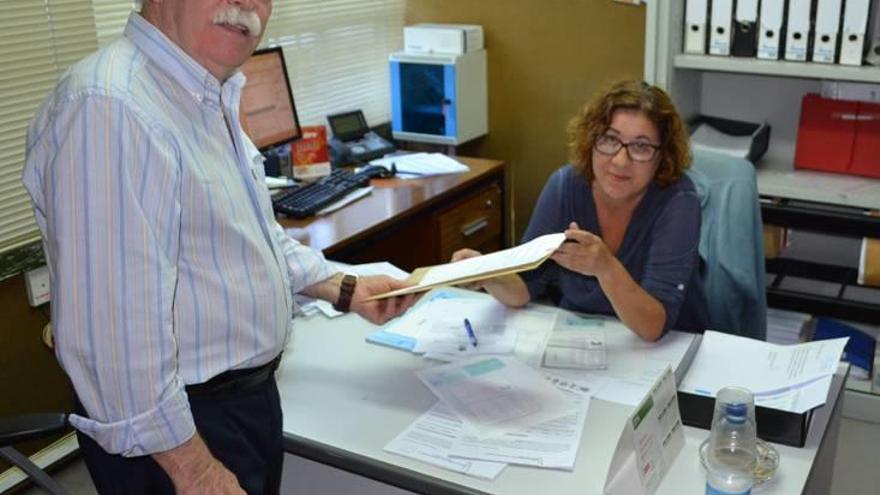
{"x": 346, "y": 399}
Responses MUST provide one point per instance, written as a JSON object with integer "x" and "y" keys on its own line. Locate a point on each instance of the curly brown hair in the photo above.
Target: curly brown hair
{"x": 595, "y": 118}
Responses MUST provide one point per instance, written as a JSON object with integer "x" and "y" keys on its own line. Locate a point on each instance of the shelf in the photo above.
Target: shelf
{"x": 813, "y": 302}
{"x": 816, "y": 217}
{"x": 783, "y": 68}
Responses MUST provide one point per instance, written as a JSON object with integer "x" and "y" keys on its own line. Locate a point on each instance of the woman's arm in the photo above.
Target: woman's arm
{"x": 508, "y": 289}
{"x": 587, "y": 254}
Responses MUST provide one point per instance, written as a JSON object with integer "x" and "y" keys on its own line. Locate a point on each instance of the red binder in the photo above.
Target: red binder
{"x": 838, "y": 136}
{"x": 866, "y": 154}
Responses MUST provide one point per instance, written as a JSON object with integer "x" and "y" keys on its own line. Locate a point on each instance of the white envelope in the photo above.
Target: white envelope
{"x": 721, "y": 23}
{"x": 798, "y": 31}
{"x": 770, "y": 29}
{"x": 852, "y": 40}
{"x": 827, "y": 25}
{"x": 695, "y": 26}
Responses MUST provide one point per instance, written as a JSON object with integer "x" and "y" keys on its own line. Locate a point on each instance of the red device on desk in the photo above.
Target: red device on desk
{"x": 839, "y": 136}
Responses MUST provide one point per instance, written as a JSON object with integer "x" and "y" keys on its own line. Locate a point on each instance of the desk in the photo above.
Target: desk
{"x": 344, "y": 400}
{"x": 414, "y": 223}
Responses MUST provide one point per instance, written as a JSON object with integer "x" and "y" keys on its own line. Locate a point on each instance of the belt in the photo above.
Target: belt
{"x": 234, "y": 381}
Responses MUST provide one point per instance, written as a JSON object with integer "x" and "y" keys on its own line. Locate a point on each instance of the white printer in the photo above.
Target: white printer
{"x": 442, "y": 38}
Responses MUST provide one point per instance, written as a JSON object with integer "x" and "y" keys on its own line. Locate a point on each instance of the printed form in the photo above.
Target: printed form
{"x": 496, "y": 395}
{"x": 792, "y": 378}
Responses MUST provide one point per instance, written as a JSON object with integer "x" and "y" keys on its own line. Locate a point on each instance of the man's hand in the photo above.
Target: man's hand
{"x": 194, "y": 471}
{"x": 583, "y": 252}
{"x": 381, "y": 310}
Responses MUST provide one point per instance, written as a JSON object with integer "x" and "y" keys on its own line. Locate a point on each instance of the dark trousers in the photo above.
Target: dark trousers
{"x": 242, "y": 429}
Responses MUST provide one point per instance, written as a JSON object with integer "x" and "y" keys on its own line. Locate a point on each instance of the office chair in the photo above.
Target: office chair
{"x": 27, "y": 427}
{"x": 22, "y": 428}
{"x": 731, "y": 244}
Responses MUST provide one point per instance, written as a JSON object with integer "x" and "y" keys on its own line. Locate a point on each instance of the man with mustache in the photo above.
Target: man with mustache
{"x": 172, "y": 282}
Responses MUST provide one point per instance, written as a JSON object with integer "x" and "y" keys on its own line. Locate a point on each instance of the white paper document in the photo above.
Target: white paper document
{"x": 415, "y": 165}
{"x": 430, "y": 439}
{"x": 708, "y": 138}
{"x": 552, "y": 444}
{"x": 792, "y": 378}
{"x": 530, "y": 252}
{"x": 496, "y": 395}
{"x": 633, "y": 365}
{"x": 443, "y": 331}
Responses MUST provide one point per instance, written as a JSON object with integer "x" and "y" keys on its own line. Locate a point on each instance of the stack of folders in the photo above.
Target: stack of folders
{"x": 820, "y": 31}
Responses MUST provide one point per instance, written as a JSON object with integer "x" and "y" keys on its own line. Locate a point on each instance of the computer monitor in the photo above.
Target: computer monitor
{"x": 268, "y": 114}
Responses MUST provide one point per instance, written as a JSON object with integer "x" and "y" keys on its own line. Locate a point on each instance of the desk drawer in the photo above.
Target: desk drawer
{"x": 472, "y": 222}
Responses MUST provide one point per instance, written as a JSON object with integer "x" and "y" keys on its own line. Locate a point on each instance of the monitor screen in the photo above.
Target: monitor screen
{"x": 268, "y": 114}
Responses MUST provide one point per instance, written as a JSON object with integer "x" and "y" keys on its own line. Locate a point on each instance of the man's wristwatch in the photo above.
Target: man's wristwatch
{"x": 346, "y": 290}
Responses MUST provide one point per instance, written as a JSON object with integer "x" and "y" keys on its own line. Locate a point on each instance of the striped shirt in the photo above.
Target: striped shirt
{"x": 167, "y": 264}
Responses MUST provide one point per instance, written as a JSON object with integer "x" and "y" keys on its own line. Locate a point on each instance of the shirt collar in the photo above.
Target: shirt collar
{"x": 194, "y": 78}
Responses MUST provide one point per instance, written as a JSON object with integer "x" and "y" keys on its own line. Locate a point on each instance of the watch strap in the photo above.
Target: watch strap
{"x": 346, "y": 291}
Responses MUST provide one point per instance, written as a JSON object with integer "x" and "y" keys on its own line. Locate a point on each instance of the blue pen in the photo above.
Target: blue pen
{"x": 470, "y": 332}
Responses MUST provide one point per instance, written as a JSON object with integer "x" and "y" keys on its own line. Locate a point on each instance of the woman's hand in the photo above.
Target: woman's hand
{"x": 463, "y": 254}
{"x": 583, "y": 252}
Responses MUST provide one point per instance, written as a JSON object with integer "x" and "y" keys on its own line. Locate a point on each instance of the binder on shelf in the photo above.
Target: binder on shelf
{"x": 770, "y": 30}
{"x": 873, "y": 36}
{"x": 797, "y": 31}
{"x": 720, "y": 24}
{"x": 745, "y": 24}
{"x": 827, "y": 29}
{"x": 695, "y": 26}
{"x": 852, "y": 39}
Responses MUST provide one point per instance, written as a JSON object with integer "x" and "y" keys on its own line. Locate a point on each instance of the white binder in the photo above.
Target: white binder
{"x": 827, "y": 29}
{"x": 873, "y": 36}
{"x": 797, "y": 36}
{"x": 695, "y": 26}
{"x": 852, "y": 39}
{"x": 770, "y": 29}
{"x": 721, "y": 22}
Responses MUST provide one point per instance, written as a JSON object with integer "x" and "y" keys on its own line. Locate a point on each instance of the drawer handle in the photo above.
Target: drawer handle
{"x": 475, "y": 226}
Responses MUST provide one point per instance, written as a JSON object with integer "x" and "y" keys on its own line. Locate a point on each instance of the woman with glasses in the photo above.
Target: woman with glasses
{"x": 630, "y": 215}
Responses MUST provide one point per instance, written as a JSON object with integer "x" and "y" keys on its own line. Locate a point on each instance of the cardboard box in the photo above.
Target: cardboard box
{"x": 310, "y": 156}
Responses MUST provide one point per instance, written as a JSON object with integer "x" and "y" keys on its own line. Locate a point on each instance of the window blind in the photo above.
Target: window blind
{"x": 337, "y": 54}
{"x": 39, "y": 39}
{"x": 110, "y": 17}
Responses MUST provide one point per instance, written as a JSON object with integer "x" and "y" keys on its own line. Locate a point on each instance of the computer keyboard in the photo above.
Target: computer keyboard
{"x": 305, "y": 201}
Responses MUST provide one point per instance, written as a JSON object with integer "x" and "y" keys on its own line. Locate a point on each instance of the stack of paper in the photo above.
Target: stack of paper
{"x": 495, "y": 411}
{"x": 415, "y": 165}
{"x": 793, "y": 378}
{"x": 435, "y": 328}
{"x": 526, "y": 256}
{"x": 706, "y": 137}
{"x": 785, "y": 327}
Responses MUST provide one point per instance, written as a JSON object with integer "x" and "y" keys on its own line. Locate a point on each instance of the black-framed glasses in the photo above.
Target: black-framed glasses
{"x": 638, "y": 151}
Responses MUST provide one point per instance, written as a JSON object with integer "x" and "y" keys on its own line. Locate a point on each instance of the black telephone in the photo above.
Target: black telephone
{"x": 353, "y": 142}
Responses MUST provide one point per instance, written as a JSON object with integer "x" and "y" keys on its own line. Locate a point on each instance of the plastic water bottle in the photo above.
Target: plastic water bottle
{"x": 732, "y": 453}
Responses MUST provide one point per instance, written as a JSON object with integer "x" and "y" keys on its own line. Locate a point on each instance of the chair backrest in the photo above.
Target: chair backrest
{"x": 731, "y": 243}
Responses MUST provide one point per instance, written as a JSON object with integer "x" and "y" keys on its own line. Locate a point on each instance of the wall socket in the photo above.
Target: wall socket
{"x": 37, "y": 284}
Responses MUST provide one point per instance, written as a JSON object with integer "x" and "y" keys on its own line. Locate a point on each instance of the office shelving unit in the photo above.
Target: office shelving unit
{"x": 760, "y": 90}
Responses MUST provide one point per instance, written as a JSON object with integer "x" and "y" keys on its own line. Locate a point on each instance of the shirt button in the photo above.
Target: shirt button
{"x": 680, "y": 287}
